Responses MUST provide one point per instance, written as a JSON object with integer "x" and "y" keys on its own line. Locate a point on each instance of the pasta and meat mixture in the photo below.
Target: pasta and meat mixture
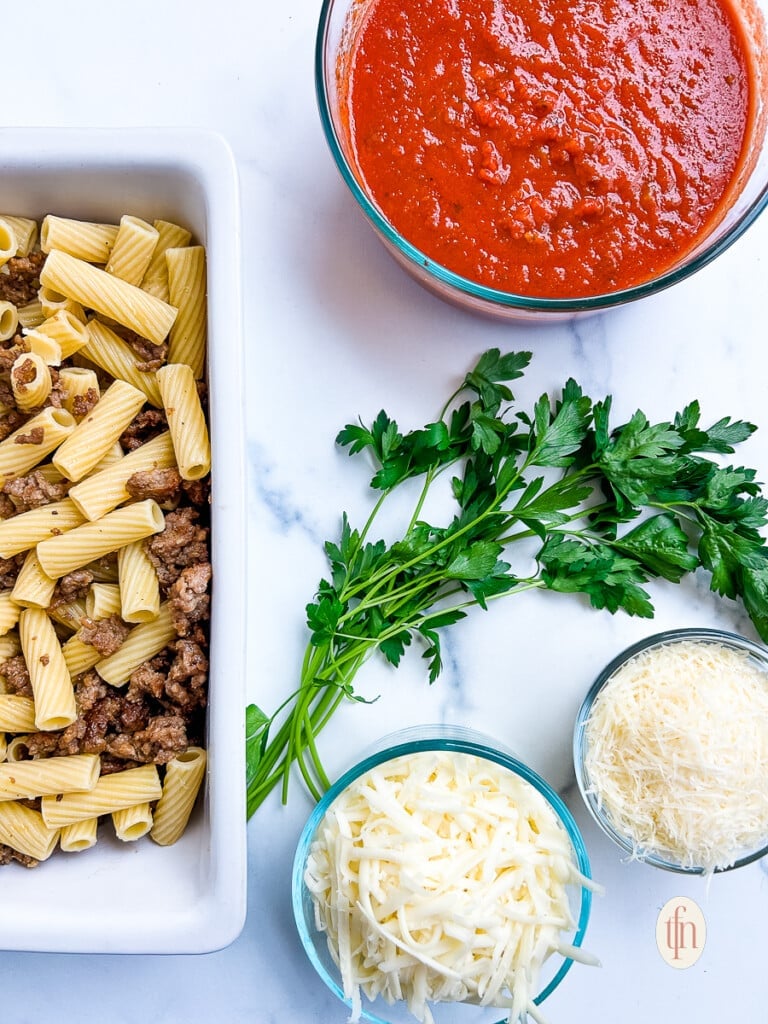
{"x": 105, "y": 571}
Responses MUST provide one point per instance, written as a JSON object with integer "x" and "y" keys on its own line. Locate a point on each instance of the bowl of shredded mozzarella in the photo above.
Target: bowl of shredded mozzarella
{"x": 671, "y": 751}
{"x": 440, "y": 879}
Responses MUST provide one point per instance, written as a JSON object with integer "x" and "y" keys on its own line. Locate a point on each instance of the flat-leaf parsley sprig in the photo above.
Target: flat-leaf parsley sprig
{"x": 610, "y": 509}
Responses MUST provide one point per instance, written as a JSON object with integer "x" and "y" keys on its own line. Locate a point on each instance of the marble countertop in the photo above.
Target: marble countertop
{"x": 333, "y": 330}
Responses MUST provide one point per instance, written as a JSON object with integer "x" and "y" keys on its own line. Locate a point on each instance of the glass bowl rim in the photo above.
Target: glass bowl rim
{"x": 493, "y": 296}
{"x": 456, "y": 744}
{"x": 704, "y": 634}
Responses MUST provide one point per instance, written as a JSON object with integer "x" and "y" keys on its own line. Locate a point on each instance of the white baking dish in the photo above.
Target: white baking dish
{"x": 139, "y": 897}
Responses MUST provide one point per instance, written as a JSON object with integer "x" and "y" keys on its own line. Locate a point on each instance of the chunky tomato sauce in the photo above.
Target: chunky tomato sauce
{"x": 557, "y": 148}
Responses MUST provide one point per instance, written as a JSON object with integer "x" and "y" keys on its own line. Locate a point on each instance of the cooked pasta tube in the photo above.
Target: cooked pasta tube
{"x": 170, "y": 236}
{"x": 72, "y": 773}
{"x": 9, "y": 320}
{"x": 48, "y": 349}
{"x": 79, "y": 836}
{"x": 17, "y": 713}
{"x": 52, "y": 302}
{"x": 9, "y": 647}
{"x": 55, "y": 706}
{"x": 103, "y": 600}
{"x": 17, "y": 749}
{"x": 131, "y": 823}
{"x": 25, "y": 230}
{"x": 78, "y": 382}
{"x": 3, "y": 746}
{"x": 69, "y": 615}
{"x": 187, "y": 289}
{"x": 32, "y": 314}
{"x": 186, "y": 420}
{"x": 114, "y": 455}
{"x": 9, "y": 612}
{"x": 61, "y": 555}
{"x": 22, "y": 532}
{"x": 142, "y": 643}
{"x": 103, "y": 491}
{"x": 78, "y": 655}
{"x": 92, "y": 438}
{"x": 139, "y": 586}
{"x": 84, "y": 239}
{"x": 95, "y": 289}
{"x": 107, "y": 350}
{"x": 111, "y": 793}
{"x": 63, "y": 327}
{"x": 132, "y": 251}
{"x": 183, "y": 777}
{"x": 30, "y": 381}
{"x": 8, "y": 244}
{"x": 33, "y": 588}
{"x": 30, "y": 444}
{"x": 25, "y": 831}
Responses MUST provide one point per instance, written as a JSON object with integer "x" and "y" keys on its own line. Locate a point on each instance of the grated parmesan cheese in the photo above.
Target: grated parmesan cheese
{"x": 677, "y": 753}
{"x": 441, "y": 876}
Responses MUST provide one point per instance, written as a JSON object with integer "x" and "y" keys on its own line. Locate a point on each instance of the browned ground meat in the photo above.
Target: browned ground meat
{"x": 82, "y": 404}
{"x": 106, "y": 635}
{"x": 151, "y": 356}
{"x": 16, "y": 676}
{"x": 190, "y": 601}
{"x": 35, "y": 436}
{"x": 72, "y": 587}
{"x": 22, "y": 281}
{"x": 186, "y": 680}
{"x": 182, "y": 543}
{"x": 163, "y": 738}
{"x": 9, "y": 422}
{"x": 198, "y": 492}
{"x": 34, "y": 490}
{"x": 9, "y": 353}
{"x": 7, "y": 855}
{"x": 23, "y": 374}
{"x": 145, "y": 426}
{"x": 9, "y": 570}
{"x": 163, "y": 485}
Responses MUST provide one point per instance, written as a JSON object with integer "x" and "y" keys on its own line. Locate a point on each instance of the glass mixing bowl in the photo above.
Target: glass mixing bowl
{"x": 340, "y": 19}
{"x": 405, "y": 743}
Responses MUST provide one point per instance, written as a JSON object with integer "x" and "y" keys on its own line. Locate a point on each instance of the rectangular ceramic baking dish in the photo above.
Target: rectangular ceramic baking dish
{"x": 139, "y": 897}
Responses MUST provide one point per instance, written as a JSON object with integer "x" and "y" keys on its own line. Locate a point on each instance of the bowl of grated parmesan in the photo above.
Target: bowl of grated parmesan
{"x": 440, "y": 879}
{"x": 671, "y": 751}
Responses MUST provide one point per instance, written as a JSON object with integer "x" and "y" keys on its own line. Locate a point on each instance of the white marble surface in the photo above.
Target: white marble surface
{"x": 333, "y": 330}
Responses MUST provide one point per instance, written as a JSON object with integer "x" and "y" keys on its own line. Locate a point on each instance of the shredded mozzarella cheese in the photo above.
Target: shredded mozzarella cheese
{"x": 677, "y": 753}
{"x": 440, "y": 876}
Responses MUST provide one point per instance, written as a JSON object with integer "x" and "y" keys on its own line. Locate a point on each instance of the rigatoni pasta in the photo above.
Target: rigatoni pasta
{"x": 128, "y": 305}
{"x": 186, "y": 420}
{"x": 92, "y": 438}
{"x": 61, "y": 555}
{"x": 54, "y": 698}
{"x": 186, "y": 288}
{"x": 30, "y": 444}
{"x": 105, "y": 474}
{"x": 132, "y": 252}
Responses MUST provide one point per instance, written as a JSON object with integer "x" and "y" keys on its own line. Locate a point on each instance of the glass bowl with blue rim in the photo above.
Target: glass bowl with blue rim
{"x": 756, "y": 655}
{"x": 340, "y": 21}
{"x": 459, "y": 741}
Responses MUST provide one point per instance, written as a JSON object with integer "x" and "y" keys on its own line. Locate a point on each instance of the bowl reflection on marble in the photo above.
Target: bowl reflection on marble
{"x": 745, "y": 197}
{"x": 659, "y": 784}
{"x": 401, "y": 756}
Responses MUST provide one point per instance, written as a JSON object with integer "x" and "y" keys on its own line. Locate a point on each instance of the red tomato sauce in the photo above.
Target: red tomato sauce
{"x": 553, "y": 148}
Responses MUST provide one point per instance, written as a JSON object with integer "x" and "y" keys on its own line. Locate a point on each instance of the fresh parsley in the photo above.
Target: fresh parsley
{"x": 609, "y": 507}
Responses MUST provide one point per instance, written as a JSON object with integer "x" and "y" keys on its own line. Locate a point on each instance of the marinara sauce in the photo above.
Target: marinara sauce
{"x": 553, "y": 148}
